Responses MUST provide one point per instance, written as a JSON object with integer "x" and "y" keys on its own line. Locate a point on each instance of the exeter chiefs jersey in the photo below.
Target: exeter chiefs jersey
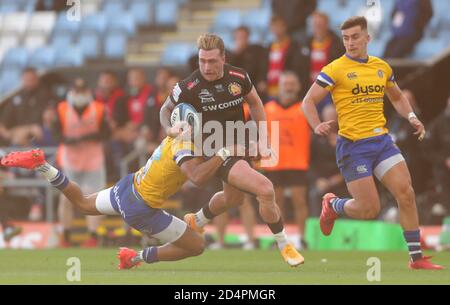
{"x": 358, "y": 89}
{"x": 221, "y": 100}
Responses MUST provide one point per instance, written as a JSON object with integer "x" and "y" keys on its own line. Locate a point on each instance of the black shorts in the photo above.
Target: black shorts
{"x": 224, "y": 170}
{"x": 288, "y": 177}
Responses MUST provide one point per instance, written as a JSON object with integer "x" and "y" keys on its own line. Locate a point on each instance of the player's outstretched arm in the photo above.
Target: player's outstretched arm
{"x": 200, "y": 171}
{"x": 164, "y": 117}
{"x": 403, "y": 107}
{"x": 314, "y": 96}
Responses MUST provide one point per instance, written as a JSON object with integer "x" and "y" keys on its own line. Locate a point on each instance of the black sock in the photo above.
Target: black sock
{"x": 207, "y": 212}
{"x": 276, "y": 227}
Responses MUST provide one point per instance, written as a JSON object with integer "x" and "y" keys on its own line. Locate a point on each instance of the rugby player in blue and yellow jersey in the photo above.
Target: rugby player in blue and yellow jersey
{"x": 139, "y": 197}
{"x": 358, "y": 83}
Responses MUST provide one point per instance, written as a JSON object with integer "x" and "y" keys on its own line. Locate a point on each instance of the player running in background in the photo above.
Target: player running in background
{"x": 218, "y": 91}
{"x": 358, "y": 83}
{"x": 138, "y": 197}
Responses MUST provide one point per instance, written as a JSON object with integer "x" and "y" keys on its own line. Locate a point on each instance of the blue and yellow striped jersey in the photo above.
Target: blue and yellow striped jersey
{"x": 358, "y": 89}
{"x": 161, "y": 177}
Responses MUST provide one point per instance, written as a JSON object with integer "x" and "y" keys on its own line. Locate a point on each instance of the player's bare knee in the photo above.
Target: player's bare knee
{"x": 371, "y": 212}
{"x": 406, "y": 195}
{"x": 199, "y": 247}
{"x": 266, "y": 192}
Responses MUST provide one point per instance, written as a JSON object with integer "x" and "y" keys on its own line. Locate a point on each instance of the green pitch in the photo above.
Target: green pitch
{"x": 216, "y": 267}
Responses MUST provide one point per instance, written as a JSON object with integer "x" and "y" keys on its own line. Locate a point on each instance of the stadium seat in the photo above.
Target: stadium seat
{"x": 89, "y": 43}
{"x": 123, "y": 23}
{"x": 42, "y": 58}
{"x": 96, "y": 22}
{"x": 42, "y": 22}
{"x": 8, "y": 7}
{"x": 70, "y": 56}
{"x": 141, "y": 11}
{"x": 61, "y": 40}
{"x": 428, "y": 48}
{"x": 63, "y": 24}
{"x": 15, "y": 23}
{"x": 257, "y": 20}
{"x": 9, "y": 80}
{"x": 115, "y": 44}
{"x": 34, "y": 40}
{"x": 16, "y": 58}
{"x": 9, "y": 40}
{"x": 177, "y": 53}
{"x": 114, "y": 8}
{"x": 227, "y": 20}
{"x": 166, "y": 12}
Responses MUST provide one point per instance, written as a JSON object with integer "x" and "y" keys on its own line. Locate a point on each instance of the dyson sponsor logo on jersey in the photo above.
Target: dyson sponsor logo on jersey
{"x": 367, "y": 89}
{"x": 223, "y": 106}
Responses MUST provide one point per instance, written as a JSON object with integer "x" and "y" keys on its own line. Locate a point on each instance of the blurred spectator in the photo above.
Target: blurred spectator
{"x": 110, "y": 94}
{"x": 294, "y": 139}
{"x": 9, "y": 230}
{"x": 403, "y": 135}
{"x": 81, "y": 127}
{"x": 324, "y": 174}
{"x": 248, "y": 57}
{"x": 438, "y": 152}
{"x": 409, "y": 19}
{"x": 20, "y": 125}
{"x": 295, "y": 13}
{"x": 108, "y": 91}
{"x": 324, "y": 47}
{"x": 284, "y": 54}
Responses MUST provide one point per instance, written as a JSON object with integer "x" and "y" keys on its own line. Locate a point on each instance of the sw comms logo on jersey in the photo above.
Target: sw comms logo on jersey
{"x": 206, "y": 97}
{"x": 234, "y": 89}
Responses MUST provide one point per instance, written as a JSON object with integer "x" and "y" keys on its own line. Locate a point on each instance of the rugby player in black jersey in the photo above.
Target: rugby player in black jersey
{"x": 218, "y": 91}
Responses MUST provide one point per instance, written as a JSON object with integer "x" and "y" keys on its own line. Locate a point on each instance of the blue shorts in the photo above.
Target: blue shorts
{"x": 366, "y": 157}
{"x": 124, "y": 200}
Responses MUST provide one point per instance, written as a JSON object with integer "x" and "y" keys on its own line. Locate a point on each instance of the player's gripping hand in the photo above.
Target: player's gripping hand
{"x": 324, "y": 128}
{"x": 418, "y": 126}
{"x": 178, "y": 129}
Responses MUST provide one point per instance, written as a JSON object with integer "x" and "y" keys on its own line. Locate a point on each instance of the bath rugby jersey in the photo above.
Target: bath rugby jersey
{"x": 162, "y": 177}
{"x": 358, "y": 88}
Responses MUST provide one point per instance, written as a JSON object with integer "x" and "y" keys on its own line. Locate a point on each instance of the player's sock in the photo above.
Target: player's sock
{"x": 204, "y": 216}
{"x": 148, "y": 255}
{"x": 413, "y": 240}
{"x": 279, "y": 234}
{"x": 337, "y": 204}
{"x": 53, "y": 175}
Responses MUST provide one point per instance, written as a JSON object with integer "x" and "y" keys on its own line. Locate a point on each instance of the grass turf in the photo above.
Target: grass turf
{"x": 216, "y": 267}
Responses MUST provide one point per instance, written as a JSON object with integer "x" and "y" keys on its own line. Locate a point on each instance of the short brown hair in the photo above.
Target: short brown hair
{"x": 355, "y": 21}
{"x": 210, "y": 42}
{"x": 322, "y": 15}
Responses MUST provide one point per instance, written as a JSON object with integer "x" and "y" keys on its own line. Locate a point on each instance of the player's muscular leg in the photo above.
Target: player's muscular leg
{"x": 280, "y": 200}
{"x": 189, "y": 244}
{"x": 366, "y": 202}
{"x": 228, "y": 198}
{"x": 247, "y": 179}
{"x": 398, "y": 181}
{"x": 86, "y": 204}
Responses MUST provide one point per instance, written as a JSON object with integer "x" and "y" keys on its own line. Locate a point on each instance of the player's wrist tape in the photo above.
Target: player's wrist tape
{"x": 223, "y": 153}
{"x": 412, "y": 115}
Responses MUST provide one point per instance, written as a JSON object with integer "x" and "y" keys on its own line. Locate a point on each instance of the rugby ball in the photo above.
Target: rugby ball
{"x": 187, "y": 113}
